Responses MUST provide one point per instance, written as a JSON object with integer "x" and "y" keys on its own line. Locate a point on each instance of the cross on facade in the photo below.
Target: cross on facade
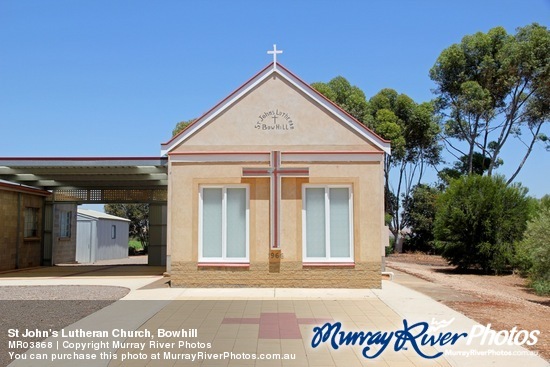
{"x": 274, "y": 53}
{"x": 281, "y": 325}
{"x": 275, "y": 172}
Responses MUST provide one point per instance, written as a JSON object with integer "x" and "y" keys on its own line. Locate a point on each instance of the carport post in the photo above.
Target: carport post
{"x": 157, "y": 234}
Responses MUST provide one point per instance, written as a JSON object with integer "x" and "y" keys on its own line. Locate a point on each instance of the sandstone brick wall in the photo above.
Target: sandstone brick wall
{"x": 64, "y": 248}
{"x": 26, "y": 253}
{"x": 8, "y": 235}
{"x": 282, "y": 275}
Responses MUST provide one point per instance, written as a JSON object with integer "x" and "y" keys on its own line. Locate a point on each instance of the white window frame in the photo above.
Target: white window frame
{"x": 224, "y": 258}
{"x": 328, "y": 258}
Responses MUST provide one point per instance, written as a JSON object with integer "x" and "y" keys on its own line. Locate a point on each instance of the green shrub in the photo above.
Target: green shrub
{"x": 541, "y": 287}
{"x": 135, "y": 244}
{"x": 419, "y": 215}
{"x": 391, "y": 247}
{"x": 533, "y": 253}
{"x": 478, "y": 221}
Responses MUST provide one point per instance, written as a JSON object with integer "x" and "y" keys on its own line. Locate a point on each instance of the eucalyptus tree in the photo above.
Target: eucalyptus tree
{"x": 349, "y": 97}
{"x": 492, "y": 87}
{"x": 180, "y": 126}
{"x": 411, "y": 127}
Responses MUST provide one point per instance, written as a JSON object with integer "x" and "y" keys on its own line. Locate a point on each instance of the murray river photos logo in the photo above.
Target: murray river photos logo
{"x": 417, "y": 336}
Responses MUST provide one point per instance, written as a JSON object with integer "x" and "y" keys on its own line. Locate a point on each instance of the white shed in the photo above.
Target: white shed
{"x": 100, "y": 236}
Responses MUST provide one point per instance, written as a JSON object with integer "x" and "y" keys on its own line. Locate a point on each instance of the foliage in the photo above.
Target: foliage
{"x": 533, "y": 252}
{"x": 413, "y": 131}
{"x": 494, "y": 86}
{"x": 138, "y": 214}
{"x": 349, "y": 97}
{"x": 478, "y": 221}
{"x": 134, "y": 246}
{"x": 389, "y": 249}
{"x": 480, "y": 165}
{"x": 411, "y": 128}
{"x": 387, "y": 219}
{"x": 541, "y": 287}
{"x": 419, "y": 215}
{"x": 545, "y": 202}
{"x": 180, "y": 126}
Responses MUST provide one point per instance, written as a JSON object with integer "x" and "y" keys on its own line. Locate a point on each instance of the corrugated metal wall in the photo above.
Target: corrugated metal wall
{"x": 85, "y": 239}
{"x": 95, "y": 240}
{"x": 108, "y": 247}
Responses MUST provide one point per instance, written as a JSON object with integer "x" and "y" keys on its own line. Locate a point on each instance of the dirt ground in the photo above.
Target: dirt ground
{"x": 503, "y": 301}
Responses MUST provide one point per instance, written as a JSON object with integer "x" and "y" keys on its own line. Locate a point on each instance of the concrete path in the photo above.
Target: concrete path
{"x": 176, "y": 325}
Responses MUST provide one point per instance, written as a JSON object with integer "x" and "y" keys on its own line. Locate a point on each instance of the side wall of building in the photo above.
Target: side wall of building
{"x": 111, "y": 245}
{"x": 9, "y": 235}
{"x": 18, "y": 251}
{"x": 64, "y": 247}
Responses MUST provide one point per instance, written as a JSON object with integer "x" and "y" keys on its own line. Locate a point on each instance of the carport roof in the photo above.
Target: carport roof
{"x": 86, "y": 172}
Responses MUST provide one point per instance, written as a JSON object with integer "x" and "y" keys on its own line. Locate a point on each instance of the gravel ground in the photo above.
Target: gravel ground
{"x": 48, "y": 307}
{"x": 503, "y": 301}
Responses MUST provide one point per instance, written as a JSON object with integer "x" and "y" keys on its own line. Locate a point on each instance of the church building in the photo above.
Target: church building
{"x": 276, "y": 186}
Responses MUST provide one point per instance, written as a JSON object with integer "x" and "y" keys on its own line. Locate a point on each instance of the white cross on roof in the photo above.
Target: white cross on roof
{"x": 274, "y": 53}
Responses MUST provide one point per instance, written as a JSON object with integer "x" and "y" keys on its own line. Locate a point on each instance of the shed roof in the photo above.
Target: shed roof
{"x": 99, "y": 215}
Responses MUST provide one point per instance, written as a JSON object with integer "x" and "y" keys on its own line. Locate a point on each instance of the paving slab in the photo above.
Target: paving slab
{"x": 155, "y": 325}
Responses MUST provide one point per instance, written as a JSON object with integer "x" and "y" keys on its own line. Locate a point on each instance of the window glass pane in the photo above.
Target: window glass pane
{"x": 69, "y": 222}
{"x": 315, "y": 222}
{"x": 236, "y": 222}
{"x": 339, "y": 222}
{"x": 65, "y": 225}
{"x": 212, "y": 222}
{"x": 31, "y": 222}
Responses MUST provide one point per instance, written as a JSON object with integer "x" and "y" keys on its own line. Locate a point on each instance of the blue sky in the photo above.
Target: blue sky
{"x": 112, "y": 78}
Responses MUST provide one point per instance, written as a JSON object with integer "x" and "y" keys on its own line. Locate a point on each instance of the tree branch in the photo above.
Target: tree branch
{"x": 535, "y": 136}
